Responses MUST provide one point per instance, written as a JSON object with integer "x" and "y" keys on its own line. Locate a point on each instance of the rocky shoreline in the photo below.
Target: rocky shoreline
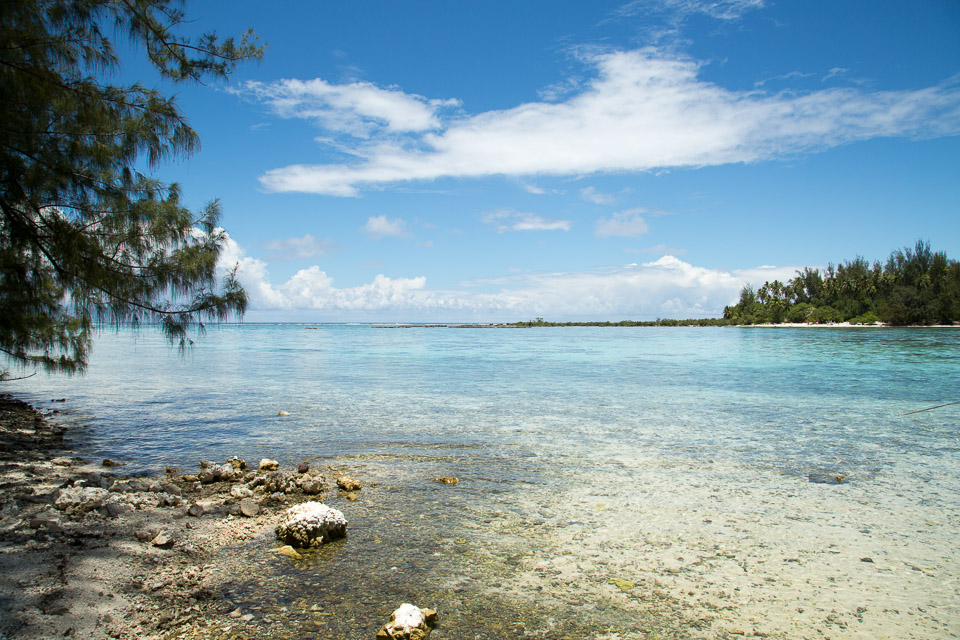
{"x": 87, "y": 552}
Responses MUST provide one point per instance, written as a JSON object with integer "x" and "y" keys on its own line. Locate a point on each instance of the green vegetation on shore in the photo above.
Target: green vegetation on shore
{"x": 915, "y": 287}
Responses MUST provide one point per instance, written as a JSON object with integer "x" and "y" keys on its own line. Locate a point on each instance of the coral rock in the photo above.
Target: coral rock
{"x": 278, "y": 481}
{"x": 311, "y": 524}
{"x": 249, "y": 507}
{"x": 408, "y": 622}
{"x": 348, "y": 484}
{"x": 267, "y": 464}
{"x": 79, "y": 499}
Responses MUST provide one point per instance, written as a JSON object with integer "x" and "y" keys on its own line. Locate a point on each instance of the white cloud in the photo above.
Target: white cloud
{"x": 297, "y": 248}
{"x": 783, "y": 76}
{"x": 509, "y": 220}
{"x": 667, "y": 287}
{"x": 680, "y": 10}
{"x": 836, "y": 71}
{"x": 534, "y": 189}
{"x": 358, "y": 108}
{"x": 660, "y": 249}
{"x": 381, "y": 227}
{"x": 644, "y": 111}
{"x": 590, "y": 194}
{"x": 629, "y": 224}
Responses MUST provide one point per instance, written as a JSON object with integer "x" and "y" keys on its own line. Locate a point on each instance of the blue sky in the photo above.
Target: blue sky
{"x": 497, "y": 161}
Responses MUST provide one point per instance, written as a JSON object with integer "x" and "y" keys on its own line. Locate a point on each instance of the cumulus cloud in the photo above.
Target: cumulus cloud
{"x": 667, "y": 287}
{"x": 508, "y": 220}
{"x": 643, "y": 111}
{"x": 628, "y": 224}
{"x": 381, "y": 227}
{"x": 313, "y": 289}
{"x": 297, "y": 248}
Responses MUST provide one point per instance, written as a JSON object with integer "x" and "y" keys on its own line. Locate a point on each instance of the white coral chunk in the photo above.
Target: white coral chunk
{"x": 311, "y": 524}
{"x": 408, "y": 617}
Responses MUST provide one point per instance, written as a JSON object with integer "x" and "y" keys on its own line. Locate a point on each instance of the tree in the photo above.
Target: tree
{"x": 86, "y": 239}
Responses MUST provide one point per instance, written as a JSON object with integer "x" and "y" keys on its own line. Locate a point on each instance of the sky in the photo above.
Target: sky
{"x": 438, "y": 161}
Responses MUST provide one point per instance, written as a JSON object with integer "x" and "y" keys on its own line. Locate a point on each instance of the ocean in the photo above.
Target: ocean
{"x": 614, "y": 482}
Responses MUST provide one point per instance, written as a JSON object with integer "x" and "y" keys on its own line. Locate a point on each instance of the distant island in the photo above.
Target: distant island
{"x": 914, "y": 287}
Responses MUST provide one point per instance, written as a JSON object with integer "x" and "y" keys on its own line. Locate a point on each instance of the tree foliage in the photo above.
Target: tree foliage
{"x": 86, "y": 239}
{"x": 915, "y": 286}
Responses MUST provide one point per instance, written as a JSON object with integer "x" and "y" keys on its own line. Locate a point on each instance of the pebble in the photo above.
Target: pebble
{"x": 249, "y": 507}
{"x": 163, "y": 540}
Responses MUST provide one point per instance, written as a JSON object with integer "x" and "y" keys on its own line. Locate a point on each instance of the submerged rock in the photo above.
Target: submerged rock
{"x": 287, "y": 550}
{"x": 311, "y": 484}
{"x": 348, "y": 484}
{"x": 446, "y": 480}
{"x": 827, "y": 478}
{"x": 311, "y": 524}
{"x": 623, "y": 585}
{"x": 408, "y": 622}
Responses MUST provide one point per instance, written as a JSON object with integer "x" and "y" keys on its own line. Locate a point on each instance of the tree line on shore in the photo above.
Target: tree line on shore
{"x": 916, "y": 286}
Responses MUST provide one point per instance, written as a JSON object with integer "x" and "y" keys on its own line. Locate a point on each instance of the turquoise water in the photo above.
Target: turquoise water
{"x": 784, "y": 397}
{"x": 558, "y": 433}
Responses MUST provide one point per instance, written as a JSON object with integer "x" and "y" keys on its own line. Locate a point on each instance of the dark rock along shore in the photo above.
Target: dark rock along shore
{"x": 86, "y": 552}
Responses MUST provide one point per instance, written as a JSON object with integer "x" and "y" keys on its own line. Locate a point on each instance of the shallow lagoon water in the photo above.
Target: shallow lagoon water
{"x": 615, "y": 482}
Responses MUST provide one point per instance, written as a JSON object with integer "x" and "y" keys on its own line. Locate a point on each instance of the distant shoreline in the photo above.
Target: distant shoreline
{"x": 667, "y": 323}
